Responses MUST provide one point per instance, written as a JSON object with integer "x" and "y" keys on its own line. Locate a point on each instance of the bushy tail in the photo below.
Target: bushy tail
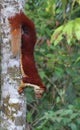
{"x": 16, "y": 23}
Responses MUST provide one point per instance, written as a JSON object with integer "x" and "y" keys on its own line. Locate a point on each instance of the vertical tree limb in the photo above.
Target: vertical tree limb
{"x": 13, "y": 105}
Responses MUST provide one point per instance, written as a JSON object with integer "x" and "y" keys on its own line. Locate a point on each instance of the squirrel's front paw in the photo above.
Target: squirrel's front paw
{"x": 20, "y": 90}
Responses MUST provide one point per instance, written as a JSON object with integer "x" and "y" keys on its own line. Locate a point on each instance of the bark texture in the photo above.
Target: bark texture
{"x": 13, "y": 115}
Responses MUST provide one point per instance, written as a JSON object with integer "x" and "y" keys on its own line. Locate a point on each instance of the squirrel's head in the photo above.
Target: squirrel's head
{"x": 39, "y": 91}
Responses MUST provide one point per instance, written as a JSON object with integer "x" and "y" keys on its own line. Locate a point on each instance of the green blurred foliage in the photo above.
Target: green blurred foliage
{"x": 57, "y": 54}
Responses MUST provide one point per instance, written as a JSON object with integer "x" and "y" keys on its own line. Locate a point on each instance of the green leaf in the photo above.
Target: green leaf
{"x": 73, "y": 126}
{"x": 78, "y": 59}
{"x": 59, "y": 72}
{"x": 29, "y": 117}
{"x": 78, "y": 1}
{"x": 58, "y": 99}
{"x": 42, "y": 74}
{"x": 77, "y": 28}
{"x": 69, "y": 30}
{"x": 57, "y": 35}
{"x": 59, "y": 119}
{"x": 64, "y": 4}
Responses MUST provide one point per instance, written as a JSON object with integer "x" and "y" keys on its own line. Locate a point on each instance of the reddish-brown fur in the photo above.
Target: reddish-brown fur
{"x": 28, "y": 40}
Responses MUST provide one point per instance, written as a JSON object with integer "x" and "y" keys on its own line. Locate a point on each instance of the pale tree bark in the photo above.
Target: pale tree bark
{"x": 13, "y": 115}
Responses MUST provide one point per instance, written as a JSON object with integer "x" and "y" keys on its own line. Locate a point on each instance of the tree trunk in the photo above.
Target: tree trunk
{"x": 13, "y": 115}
